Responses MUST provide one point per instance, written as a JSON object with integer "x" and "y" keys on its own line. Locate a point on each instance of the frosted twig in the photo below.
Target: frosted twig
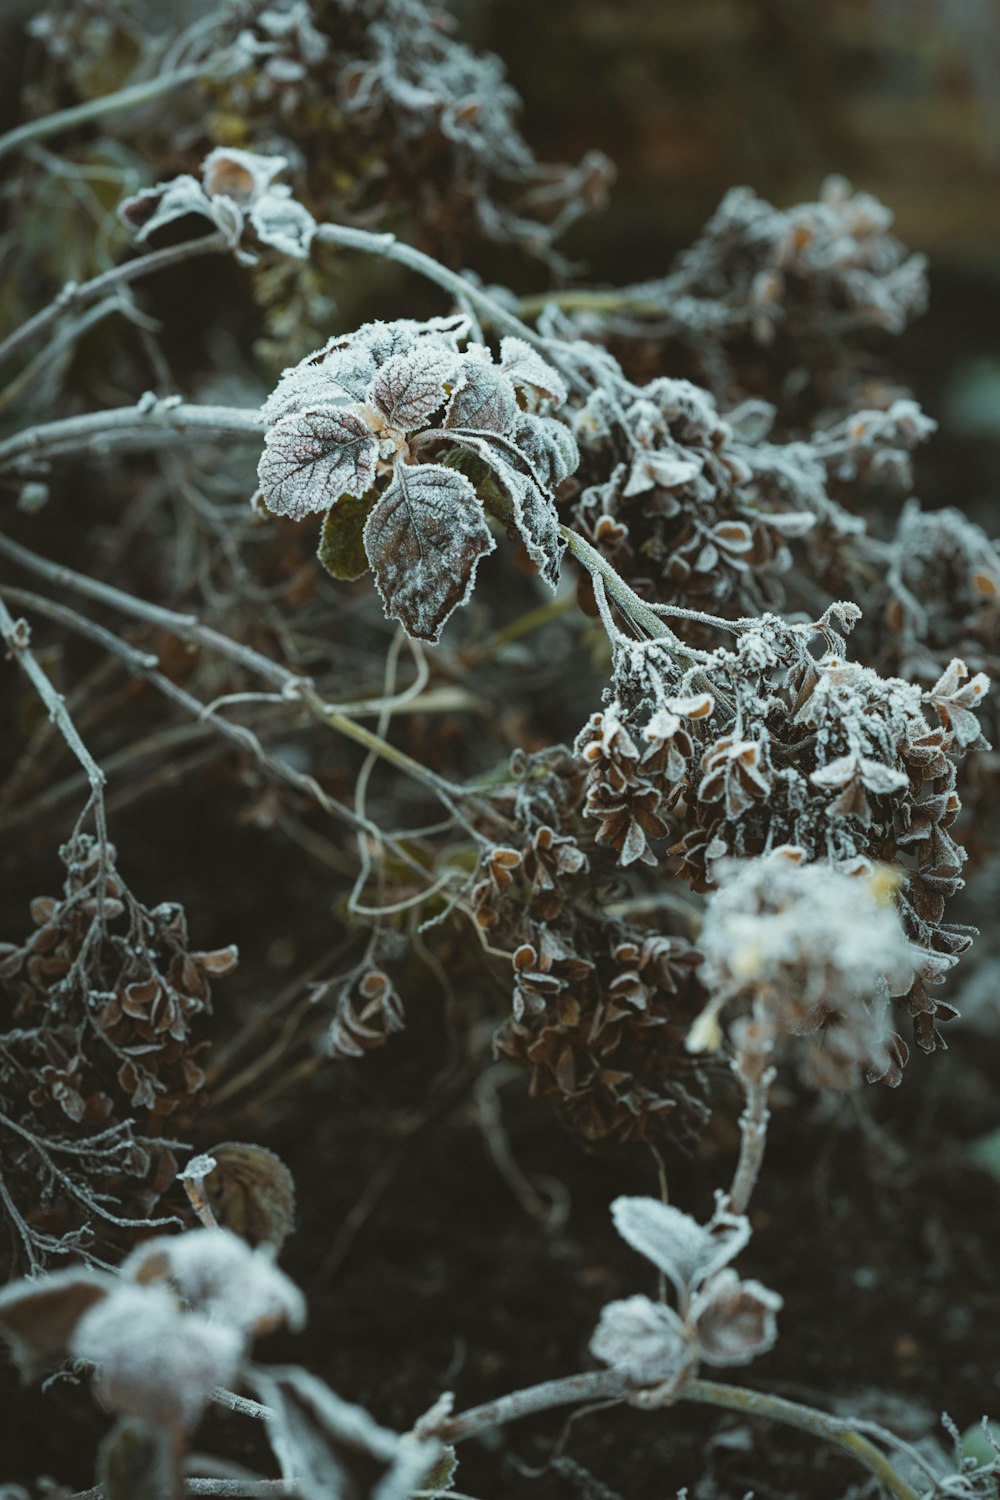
{"x": 753, "y": 1140}
{"x": 149, "y": 424}
{"x": 95, "y": 109}
{"x": 603, "y": 1385}
{"x": 16, "y": 635}
{"x": 76, "y": 295}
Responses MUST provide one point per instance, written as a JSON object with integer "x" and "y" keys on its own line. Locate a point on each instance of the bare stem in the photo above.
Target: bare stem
{"x": 96, "y": 109}
{"x": 388, "y": 247}
{"x": 807, "y": 1419}
{"x": 753, "y": 1140}
{"x": 149, "y": 424}
{"x": 16, "y": 635}
{"x": 77, "y": 295}
{"x": 604, "y": 1385}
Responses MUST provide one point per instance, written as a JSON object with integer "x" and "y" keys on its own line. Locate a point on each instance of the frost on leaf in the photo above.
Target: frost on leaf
{"x": 153, "y": 1360}
{"x": 424, "y": 539}
{"x": 329, "y": 1448}
{"x": 219, "y": 1275}
{"x": 735, "y": 1320}
{"x": 484, "y": 399}
{"x": 37, "y": 1318}
{"x": 341, "y": 542}
{"x": 311, "y": 458}
{"x": 530, "y": 373}
{"x": 643, "y": 1338}
{"x": 527, "y": 510}
{"x": 278, "y": 221}
{"x": 409, "y": 388}
{"x": 684, "y": 1250}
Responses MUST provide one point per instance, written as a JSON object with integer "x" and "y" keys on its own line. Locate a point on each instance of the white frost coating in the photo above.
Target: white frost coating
{"x": 684, "y": 1250}
{"x": 154, "y": 1360}
{"x": 219, "y": 1275}
{"x": 311, "y": 458}
{"x": 424, "y": 539}
{"x": 409, "y": 388}
{"x": 808, "y": 927}
{"x": 641, "y": 1337}
{"x": 734, "y": 1320}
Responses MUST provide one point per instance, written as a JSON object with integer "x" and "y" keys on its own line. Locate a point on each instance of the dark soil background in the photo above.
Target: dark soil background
{"x": 426, "y": 1267}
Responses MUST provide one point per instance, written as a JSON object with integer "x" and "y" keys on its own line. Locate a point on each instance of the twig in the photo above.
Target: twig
{"x": 95, "y": 109}
{"x": 76, "y": 295}
{"x": 16, "y": 635}
{"x": 603, "y": 1385}
{"x": 149, "y": 424}
{"x": 753, "y": 1139}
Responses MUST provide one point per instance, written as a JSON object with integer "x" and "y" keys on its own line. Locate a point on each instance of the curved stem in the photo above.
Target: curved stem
{"x": 605, "y": 1385}
{"x": 806, "y": 1419}
{"x": 95, "y": 109}
{"x": 388, "y": 247}
{"x": 75, "y": 295}
{"x": 148, "y": 424}
{"x": 626, "y": 598}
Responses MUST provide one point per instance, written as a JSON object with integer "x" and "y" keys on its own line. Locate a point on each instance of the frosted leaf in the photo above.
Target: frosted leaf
{"x": 644, "y": 1339}
{"x": 344, "y": 368}
{"x": 549, "y": 447}
{"x": 409, "y": 387}
{"x": 331, "y": 1449}
{"x": 532, "y": 514}
{"x": 734, "y": 1319}
{"x": 659, "y": 467}
{"x": 877, "y": 777}
{"x": 312, "y": 458}
{"x": 154, "y": 1360}
{"x": 530, "y": 372}
{"x": 278, "y": 220}
{"x": 37, "y": 1316}
{"x": 243, "y": 176}
{"x": 483, "y": 400}
{"x": 424, "y": 539}
{"x": 218, "y": 1274}
{"x": 684, "y": 1250}
{"x": 154, "y": 207}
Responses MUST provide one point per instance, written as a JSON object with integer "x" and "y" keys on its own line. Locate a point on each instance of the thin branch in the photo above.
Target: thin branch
{"x": 388, "y": 247}
{"x": 151, "y": 423}
{"x": 75, "y": 295}
{"x": 96, "y": 109}
{"x": 604, "y": 1385}
{"x": 16, "y": 635}
{"x": 753, "y": 1138}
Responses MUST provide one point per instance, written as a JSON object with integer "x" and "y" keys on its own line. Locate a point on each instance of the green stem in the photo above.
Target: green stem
{"x": 806, "y": 1419}
{"x": 626, "y": 598}
{"x": 578, "y": 299}
{"x": 615, "y": 1385}
{"x": 95, "y": 109}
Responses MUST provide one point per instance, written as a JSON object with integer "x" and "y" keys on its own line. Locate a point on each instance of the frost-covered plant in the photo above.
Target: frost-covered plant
{"x": 237, "y": 191}
{"x": 815, "y": 952}
{"x": 719, "y": 1319}
{"x": 357, "y": 431}
{"x": 176, "y": 1323}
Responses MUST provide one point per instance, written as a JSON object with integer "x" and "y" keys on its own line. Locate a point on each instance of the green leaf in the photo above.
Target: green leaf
{"x": 341, "y": 541}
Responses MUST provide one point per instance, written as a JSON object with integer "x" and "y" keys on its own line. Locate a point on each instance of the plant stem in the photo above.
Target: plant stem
{"x": 16, "y": 635}
{"x": 148, "y": 424}
{"x": 626, "y": 598}
{"x": 389, "y": 247}
{"x": 74, "y": 295}
{"x": 807, "y": 1419}
{"x": 753, "y": 1139}
{"x": 605, "y": 1385}
{"x": 95, "y": 109}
